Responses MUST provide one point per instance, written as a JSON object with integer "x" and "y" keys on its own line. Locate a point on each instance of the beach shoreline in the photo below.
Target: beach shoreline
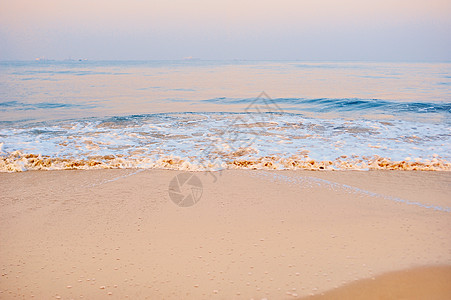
{"x": 252, "y": 234}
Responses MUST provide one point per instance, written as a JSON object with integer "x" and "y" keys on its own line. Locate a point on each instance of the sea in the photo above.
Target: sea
{"x": 199, "y": 115}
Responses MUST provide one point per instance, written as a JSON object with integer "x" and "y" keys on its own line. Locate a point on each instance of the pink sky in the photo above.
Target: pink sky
{"x": 219, "y": 29}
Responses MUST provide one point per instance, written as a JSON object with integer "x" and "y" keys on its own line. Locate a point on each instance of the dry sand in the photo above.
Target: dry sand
{"x": 254, "y": 234}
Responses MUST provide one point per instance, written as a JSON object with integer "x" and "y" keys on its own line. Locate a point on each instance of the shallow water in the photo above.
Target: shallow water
{"x": 199, "y": 115}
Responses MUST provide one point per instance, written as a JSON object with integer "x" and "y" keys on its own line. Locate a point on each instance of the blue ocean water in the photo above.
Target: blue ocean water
{"x": 199, "y": 115}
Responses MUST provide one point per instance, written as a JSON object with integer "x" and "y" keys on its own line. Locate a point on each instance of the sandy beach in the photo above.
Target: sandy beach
{"x": 116, "y": 234}
{"x": 225, "y": 150}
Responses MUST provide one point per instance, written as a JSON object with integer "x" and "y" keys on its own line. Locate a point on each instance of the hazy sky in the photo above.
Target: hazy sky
{"x": 393, "y": 30}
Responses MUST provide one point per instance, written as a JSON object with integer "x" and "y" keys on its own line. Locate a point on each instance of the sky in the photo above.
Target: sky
{"x": 325, "y": 30}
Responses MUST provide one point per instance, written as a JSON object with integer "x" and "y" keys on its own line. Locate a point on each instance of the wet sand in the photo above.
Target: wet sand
{"x": 416, "y": 284}
{"x": 254, "y": 234}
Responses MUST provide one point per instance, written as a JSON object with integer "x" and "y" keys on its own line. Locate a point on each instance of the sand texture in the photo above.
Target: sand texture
{"x": 115, "y": 234}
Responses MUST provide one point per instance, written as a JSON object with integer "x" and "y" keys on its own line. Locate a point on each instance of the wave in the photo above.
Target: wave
{"x": 17, "y": 105}
{"x": 225, "y": 140}
{"x": 349, "y": 104}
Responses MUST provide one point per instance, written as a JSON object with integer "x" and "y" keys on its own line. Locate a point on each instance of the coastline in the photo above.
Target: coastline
{"x": 253, "y": 234}
{"x": 19, "y": 162}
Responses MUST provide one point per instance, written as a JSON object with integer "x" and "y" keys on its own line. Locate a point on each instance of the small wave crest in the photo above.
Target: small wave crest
{"x": 16, "y": 105}
{"x": 350, "y": 105}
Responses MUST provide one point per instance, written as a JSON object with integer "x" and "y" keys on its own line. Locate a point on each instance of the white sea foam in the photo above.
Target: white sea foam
{"x": 200, "y": 141}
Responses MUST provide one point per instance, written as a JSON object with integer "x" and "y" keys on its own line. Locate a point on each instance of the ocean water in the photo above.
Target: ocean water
{"x": 213, "y": 115}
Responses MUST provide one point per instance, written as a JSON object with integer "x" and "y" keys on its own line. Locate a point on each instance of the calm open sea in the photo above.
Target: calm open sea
{"x": 197, "y": 115}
